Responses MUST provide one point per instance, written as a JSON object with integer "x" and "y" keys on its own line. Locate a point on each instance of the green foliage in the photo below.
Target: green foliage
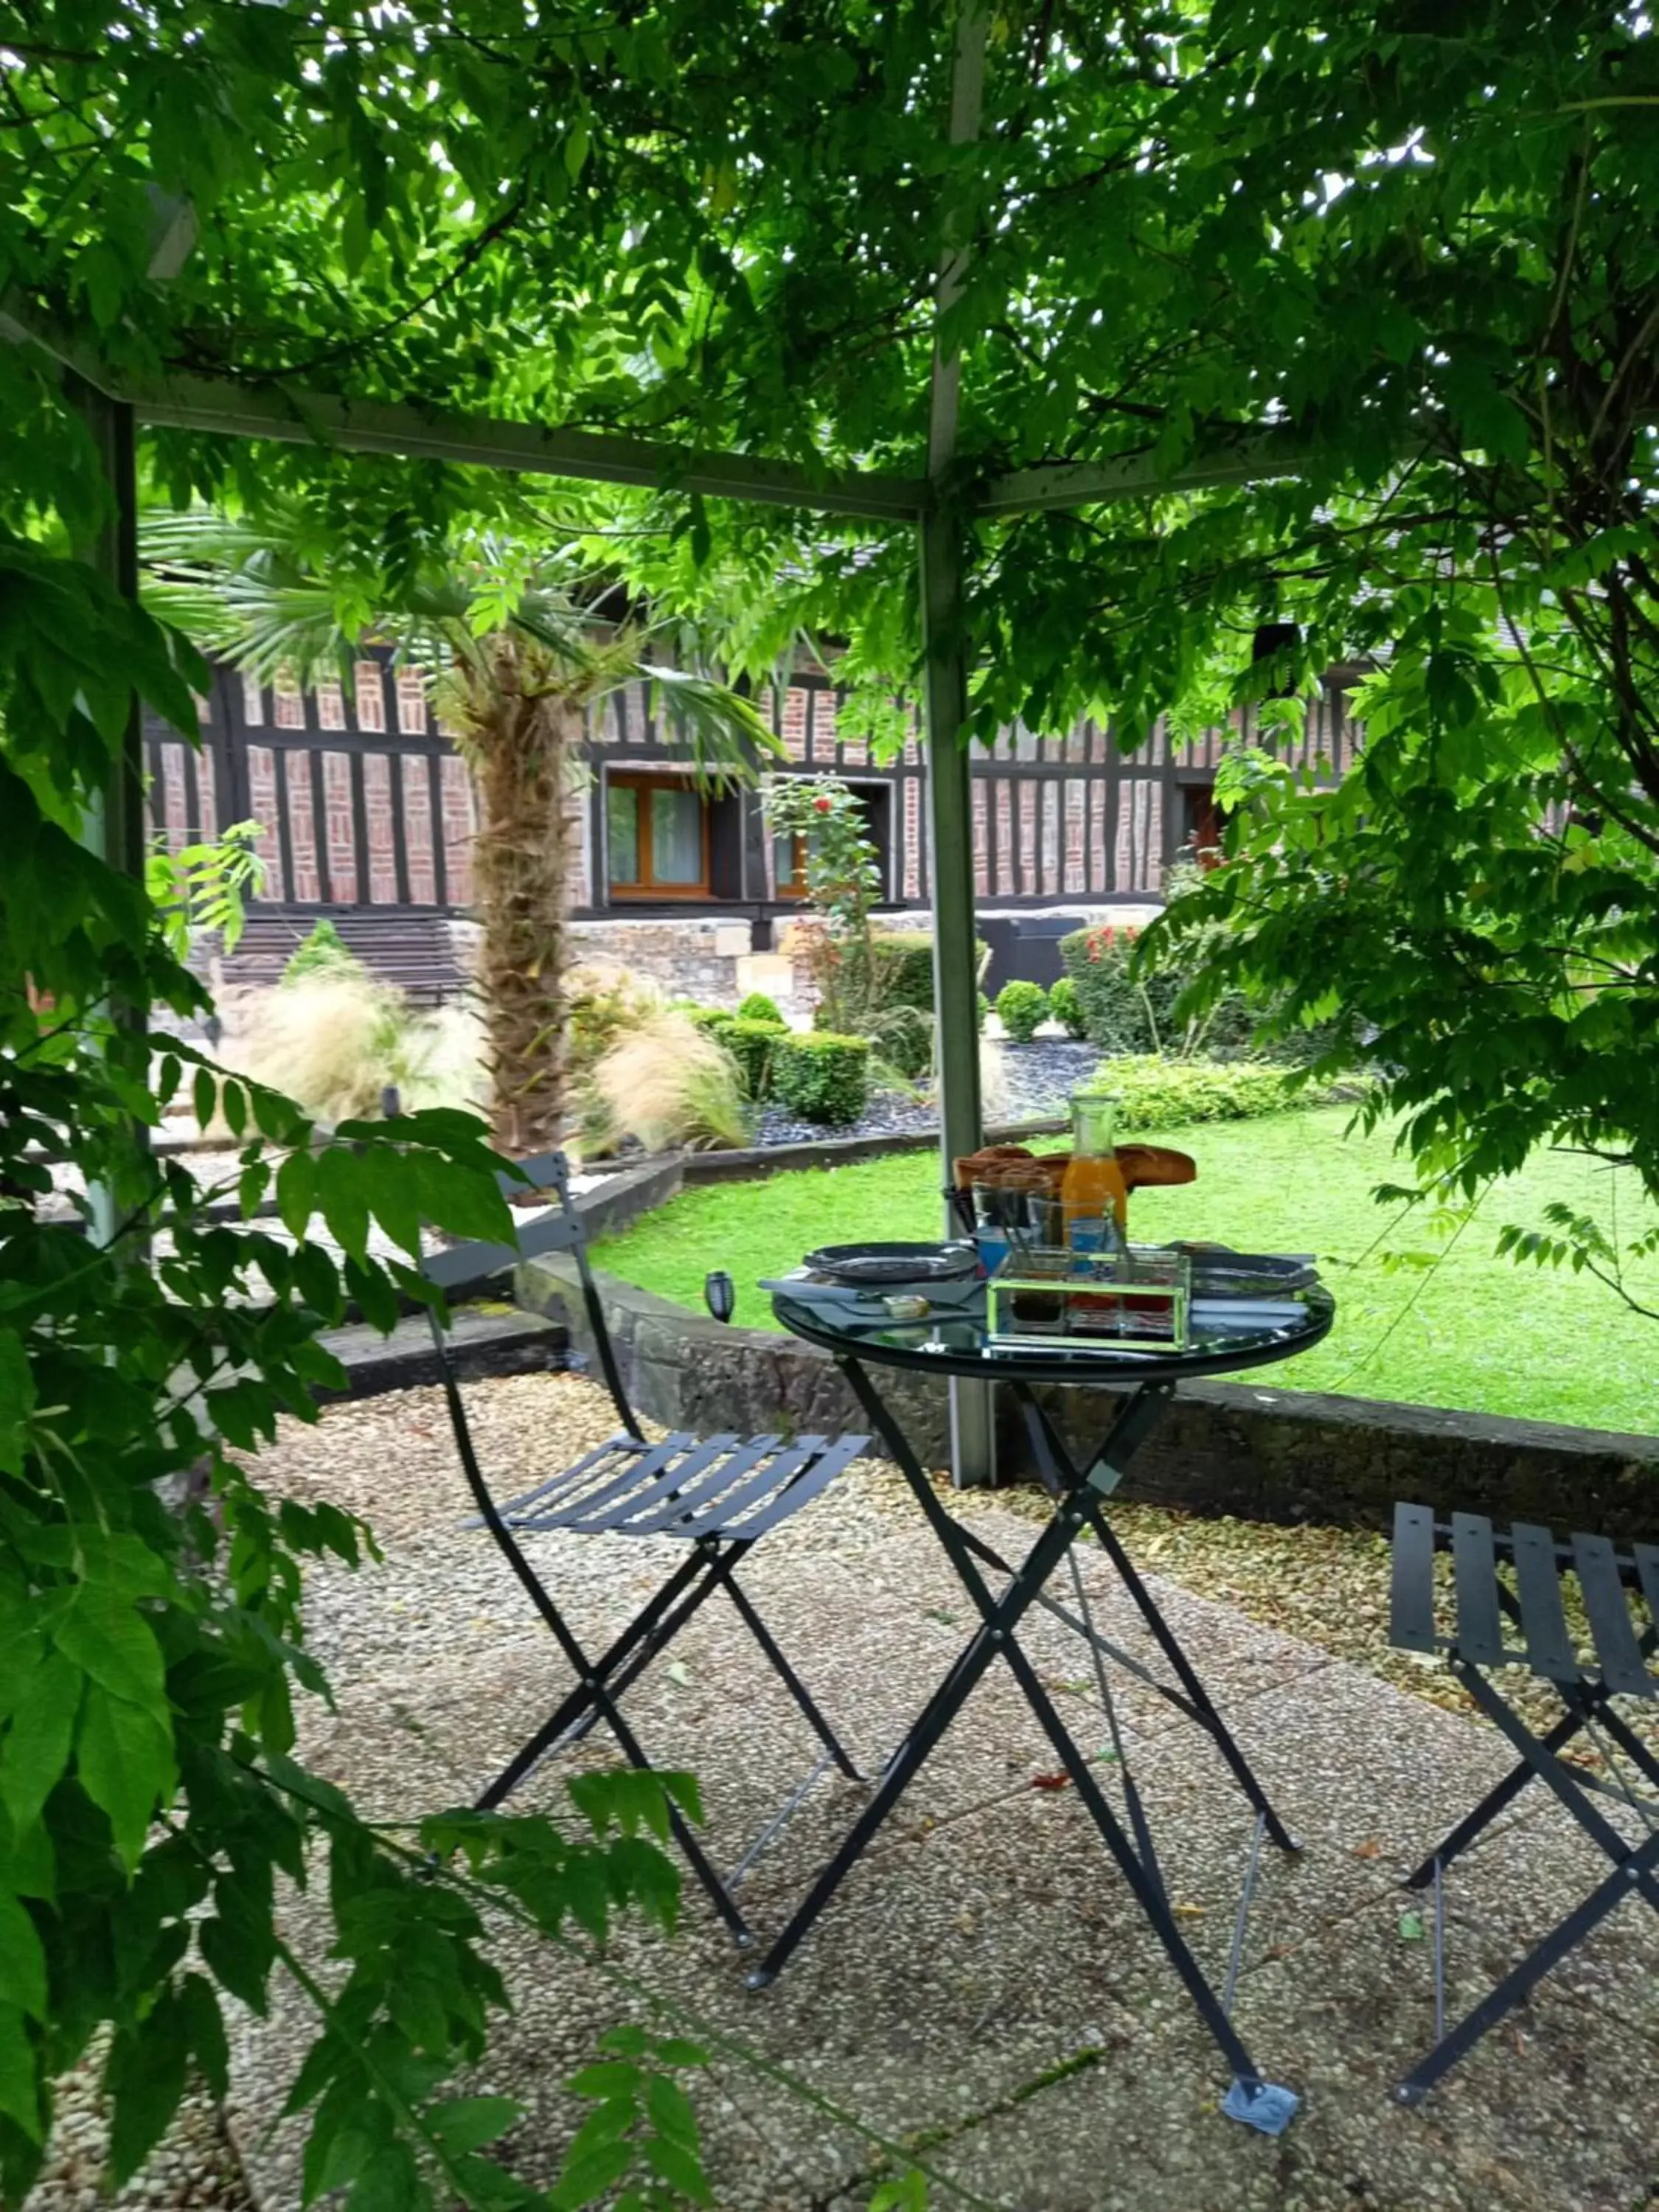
{"x": 642, "y": 2134}
{"x": 843, "y": 869}
{"x": 905, "y": 2192}
{"x": 321, "y": 950}
{"x": 1127, "y": 1004}
{"x": 1020, "y": 1007}
{"x": 1066, "y": 1008}
{"x": 824, "y": 1077}
{"x": 905, "y": 1019}
{"x": 202, "y": 889}
{"x": 752, "y": 1044}
{"x": 150, "y": 1589}
{"x": 905, "y": 959}
{"x": 1155, "y": 1092}
{"x": 759, "y": 1007}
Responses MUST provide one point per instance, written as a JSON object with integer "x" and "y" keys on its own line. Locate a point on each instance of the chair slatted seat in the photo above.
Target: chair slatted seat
{"x": 718, "y": 1495}
{"x": 1495, "y": 1625}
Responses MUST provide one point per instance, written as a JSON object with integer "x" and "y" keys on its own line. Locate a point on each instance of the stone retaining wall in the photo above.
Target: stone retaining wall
{"x": 1237, "y": 1448}
{"x": 703, "y": 957}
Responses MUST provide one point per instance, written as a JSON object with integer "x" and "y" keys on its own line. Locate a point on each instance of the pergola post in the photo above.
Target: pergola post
{"x": 950, "y": 778}
{"x": 113, "y": 825}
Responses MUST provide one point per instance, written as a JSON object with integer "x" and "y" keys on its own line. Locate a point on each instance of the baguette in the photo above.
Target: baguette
{"x": 1142, "y": 1164}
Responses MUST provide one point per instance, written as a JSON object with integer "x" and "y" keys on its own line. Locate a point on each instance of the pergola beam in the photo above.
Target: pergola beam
{"x": 418, "y": 434}
{"x": 1251, "y": 458}
{"x": 223, "y": 407}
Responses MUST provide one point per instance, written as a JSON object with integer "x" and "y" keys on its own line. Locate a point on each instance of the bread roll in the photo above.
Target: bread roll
{"x": 1155, "y": 1164}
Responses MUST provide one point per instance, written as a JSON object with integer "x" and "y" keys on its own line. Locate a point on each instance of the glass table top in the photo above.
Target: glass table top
{"x": 954, "y": 1340}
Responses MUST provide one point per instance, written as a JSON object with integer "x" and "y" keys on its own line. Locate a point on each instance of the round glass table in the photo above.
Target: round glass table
{"x": 955, "y": 1341}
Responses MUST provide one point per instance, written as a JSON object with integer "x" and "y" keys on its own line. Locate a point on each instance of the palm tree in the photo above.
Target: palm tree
{"x": 517, "y": 661}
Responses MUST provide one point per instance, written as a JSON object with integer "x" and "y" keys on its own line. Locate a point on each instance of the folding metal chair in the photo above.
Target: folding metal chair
{"x": 718, "y": 1495}
{"x": 1616, "y": 1584}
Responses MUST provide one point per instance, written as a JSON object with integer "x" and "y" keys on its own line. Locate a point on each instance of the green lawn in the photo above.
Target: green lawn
{"x": 1472, "y": 1331}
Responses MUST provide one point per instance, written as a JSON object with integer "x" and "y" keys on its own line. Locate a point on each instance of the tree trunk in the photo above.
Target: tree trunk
{"x": 522, "y": 736}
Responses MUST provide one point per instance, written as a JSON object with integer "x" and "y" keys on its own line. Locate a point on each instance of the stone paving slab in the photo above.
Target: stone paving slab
{"x": 983, "y": 1987}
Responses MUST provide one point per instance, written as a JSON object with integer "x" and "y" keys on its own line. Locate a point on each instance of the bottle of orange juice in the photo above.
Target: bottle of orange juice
{"x": 1094, "y": 1197}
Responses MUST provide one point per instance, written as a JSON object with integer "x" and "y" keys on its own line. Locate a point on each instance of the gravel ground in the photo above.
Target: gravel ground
{"x": 385, "y": 1642}
{"x": 193, "y": 2168}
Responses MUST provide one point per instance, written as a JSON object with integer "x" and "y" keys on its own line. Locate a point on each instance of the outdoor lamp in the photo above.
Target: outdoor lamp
{"x": 719, "y": 1294}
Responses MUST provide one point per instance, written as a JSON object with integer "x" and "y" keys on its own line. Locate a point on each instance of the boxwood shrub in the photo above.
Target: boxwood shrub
{"x": 905, "y": 960}
{"x": 823, "y": 1077}
{"x": 1020, "y": 1007}
{"x": 759, "y": 1008}
{"x": 752, "y": 1044}
{"x": 1065, "y": 1006}
{"x": 1155, "y": 1093}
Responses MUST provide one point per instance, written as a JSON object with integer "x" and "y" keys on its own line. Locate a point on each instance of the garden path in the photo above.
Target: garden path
{"x": 983, "y": 1989}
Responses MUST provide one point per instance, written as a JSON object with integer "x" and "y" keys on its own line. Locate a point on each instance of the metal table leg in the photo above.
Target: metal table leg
{"x": 1075, "y": 1493}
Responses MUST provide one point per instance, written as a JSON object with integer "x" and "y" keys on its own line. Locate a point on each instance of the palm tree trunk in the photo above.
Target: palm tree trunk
{"x": 522, "y": 736}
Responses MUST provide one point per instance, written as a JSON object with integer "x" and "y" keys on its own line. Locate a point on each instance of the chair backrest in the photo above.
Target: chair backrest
{"x": 468, "y": 1267}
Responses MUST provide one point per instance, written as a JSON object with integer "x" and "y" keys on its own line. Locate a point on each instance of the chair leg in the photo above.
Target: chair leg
{"x": 792, "y": 1681}
{"x": 1501, "y": 1795}
{"x": 579, "y": 1712}
{"x": 1514, "y": 1986}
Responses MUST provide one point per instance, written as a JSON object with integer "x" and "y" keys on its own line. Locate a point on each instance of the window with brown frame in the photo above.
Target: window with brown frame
{"x": 656, "y": 837}
{"x": 789, "y": 866}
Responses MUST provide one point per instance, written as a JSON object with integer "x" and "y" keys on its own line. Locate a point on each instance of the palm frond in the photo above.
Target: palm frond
{"x": 728, "y": 740}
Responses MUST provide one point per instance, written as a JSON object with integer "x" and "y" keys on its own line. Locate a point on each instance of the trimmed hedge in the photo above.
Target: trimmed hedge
{"x": 823, "y": 1077}
{"x": 1020, "y": 1007}
{"x": 759, "y": 1008}
{"x": 905, "y": 963}
{"x": 1154, "y": 1093}
{"x": 1065, "y": 1006}
{"x": 752, "y": 1044}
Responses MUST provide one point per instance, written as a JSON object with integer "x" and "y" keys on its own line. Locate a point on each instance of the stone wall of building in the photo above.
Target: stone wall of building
{"x": 701, "y": 957}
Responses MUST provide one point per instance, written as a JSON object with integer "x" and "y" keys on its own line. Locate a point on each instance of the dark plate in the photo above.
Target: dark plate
{"x": 1218, "y": 1272}
{"x": 893, "y": 1263}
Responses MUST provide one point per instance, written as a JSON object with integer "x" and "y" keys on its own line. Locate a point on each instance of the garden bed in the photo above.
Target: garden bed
{"x": 1040, "y": 1079}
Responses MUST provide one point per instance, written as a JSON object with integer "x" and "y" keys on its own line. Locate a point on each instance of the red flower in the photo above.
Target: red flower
{"x": 820, "y": 805}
